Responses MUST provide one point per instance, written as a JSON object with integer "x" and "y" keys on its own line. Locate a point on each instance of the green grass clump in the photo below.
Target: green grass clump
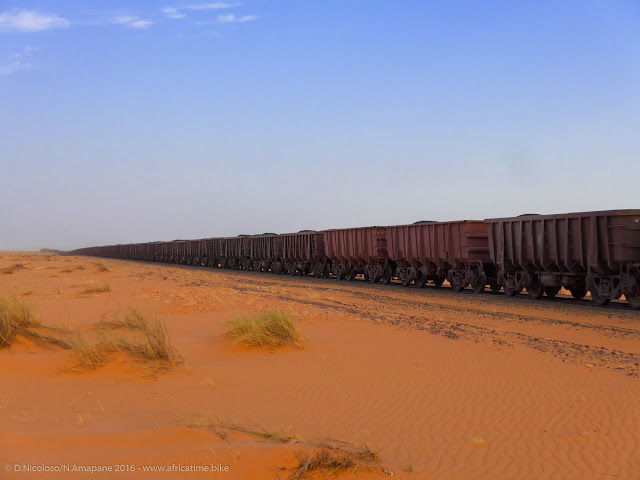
{"x": 272, "y": 328}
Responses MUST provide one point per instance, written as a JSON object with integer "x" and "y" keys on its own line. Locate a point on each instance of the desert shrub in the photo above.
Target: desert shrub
{"x": 96, "y": 287}
{"x": 272, "y": 328}
{"x": 101, "y": 267}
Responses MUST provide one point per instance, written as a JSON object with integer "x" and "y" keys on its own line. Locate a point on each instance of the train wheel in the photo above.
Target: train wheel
{"x": 421, "y": 280}
{"x": 495, "y": 287}
{"x": 480, "y": 284}
{"x": 457, "y": 287}
{"x": 386, "y": 277}
{"x": 551, "y": 291}
{"x": 578, "y": 292}
{"x": 439, "y": 280}
{"x": 405, "y": 281}
{"x": 598, "y": 300}
{"x": 510, "y": 292}
{"x": 374, "y": 278}
{"x": 634, "y": 302}
{"x": 536, "y": 289}
{"x": 351, "y": 274}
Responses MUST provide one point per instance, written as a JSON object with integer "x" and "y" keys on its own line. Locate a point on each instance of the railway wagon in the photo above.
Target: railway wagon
{"x": 597, "y": 252}
{"x": 435, "y": 251}
{"x": 353, "y": 251}
{"x": 303, "y": 253}
{"x": 198, "y": 251}
{"x": 168, "y": 252}
{"x": 215, "y": 252}
{"x": 263, "y": 251}
{"x": 235, "y": 251}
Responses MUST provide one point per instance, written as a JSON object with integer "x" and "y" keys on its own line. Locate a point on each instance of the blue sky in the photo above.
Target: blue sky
{"x": 142, "y": 120}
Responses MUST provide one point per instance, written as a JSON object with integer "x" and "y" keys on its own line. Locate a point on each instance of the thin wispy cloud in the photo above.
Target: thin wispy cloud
{"x": 133, "y": 22}
{"x": 30, "y": 21}
{"x": 20, "y": 62}
{"x": 212, "y": 6}
{"x": 232, "y": 17}
{"x": 172, "y": 12}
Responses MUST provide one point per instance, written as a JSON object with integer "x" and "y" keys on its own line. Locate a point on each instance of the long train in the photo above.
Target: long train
{"x": 596, "y": 252}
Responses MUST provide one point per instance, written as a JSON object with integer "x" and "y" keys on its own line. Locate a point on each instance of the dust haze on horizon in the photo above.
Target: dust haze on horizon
{"x": 143, "y": 121}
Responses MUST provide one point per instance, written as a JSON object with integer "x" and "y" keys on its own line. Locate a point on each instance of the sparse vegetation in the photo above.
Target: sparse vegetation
{"x": 13, "y": 268}
{"x": 220, "y": 427}
{"x": 154, "y": 345}
{"x": 326, "y": 457}
{"x": 101, "y": 267}
{"x": 151, "y": 346}
{"x": 26, "y": 293}
{"x": 65, "y": 270}
{"x": 330, "y": 457}
{"x": 78, "y": 267}
{"x": 96, "y": 287}
{"x": 17, "y": 318}
{"x": 133, "y": 319}
{"x": 89, "y": 354}
{"x": 272, "y": 328}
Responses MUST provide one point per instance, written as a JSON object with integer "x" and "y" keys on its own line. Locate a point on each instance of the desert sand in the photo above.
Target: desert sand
{"x": 441, "y": 385}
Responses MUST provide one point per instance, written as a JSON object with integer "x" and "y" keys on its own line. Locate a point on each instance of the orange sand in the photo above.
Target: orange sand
{"x": 456, "y": 386}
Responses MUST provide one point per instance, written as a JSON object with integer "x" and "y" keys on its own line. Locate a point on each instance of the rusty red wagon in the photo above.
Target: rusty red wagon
{"x": 591, "y": 251}
{"x": 304, "y": 253}
{"x": 435, "y": 251}
{"x": 353, "y": 251}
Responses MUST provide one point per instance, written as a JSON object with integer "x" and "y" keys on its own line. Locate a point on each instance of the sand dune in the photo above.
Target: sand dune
{"x": 442, "y": 385}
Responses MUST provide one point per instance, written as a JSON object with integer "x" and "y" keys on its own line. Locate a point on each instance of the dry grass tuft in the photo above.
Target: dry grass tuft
{"x": 272, "y": 328}
{"x": 96, "y": 287}
{"x": 26, "y": 293}
{"x": 220, "y": 427}
{"x": 153, "y": 346}
{"x": 13, "y": 268}
{"x": 133, "y": 319}
{"x": 17, "y": 318}
{"x": 330, "y": 457}
{"x": 65, "y": 270}
{"x": 101, "y": 267}
{"x": 324, "y": 458}
{"x": 91, "y": 354}
{"x": 78, "y": 267}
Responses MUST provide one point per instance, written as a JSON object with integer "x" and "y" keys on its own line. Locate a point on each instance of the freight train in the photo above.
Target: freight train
{"x": 596, "y": 252}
